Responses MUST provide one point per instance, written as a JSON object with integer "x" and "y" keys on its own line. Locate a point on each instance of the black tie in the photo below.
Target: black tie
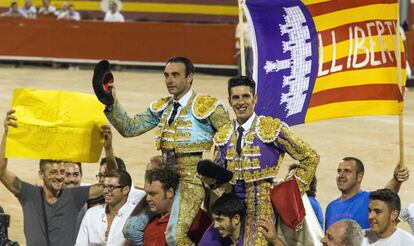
{"x": 174, "y": 112}
{"x": 240, "y": 130}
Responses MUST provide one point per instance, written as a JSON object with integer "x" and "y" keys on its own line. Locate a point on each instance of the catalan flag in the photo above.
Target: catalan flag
{"x": 318, "y": 59}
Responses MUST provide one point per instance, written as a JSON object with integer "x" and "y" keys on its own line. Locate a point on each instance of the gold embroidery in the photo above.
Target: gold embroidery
{"x": 223, "y": 135}
{"x": 204, "y": 106}
{"x": 267, "y": 128}
{"x": 159, "y": 105}
{"x": 184, "y": 124}
{"x": 191, "y": 148}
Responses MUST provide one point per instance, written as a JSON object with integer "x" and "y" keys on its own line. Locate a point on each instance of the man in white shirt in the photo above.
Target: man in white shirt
{"x": 113, "y": 14}
{"x": 102, "y": 224}
{"x": 384, "y": 208}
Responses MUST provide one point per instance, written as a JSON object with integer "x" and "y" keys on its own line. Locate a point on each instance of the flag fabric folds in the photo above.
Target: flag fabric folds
{"x": 318, "y": 59}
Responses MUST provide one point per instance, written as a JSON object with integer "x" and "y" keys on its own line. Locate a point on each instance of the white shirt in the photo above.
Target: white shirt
{"x": 116, "y": 17}
{"x": 183, "y": 102}
{"x": 398, "y": 238}
{"x": 407, "y": 214}
{"x": 94, "y": 225}
{"x": 135, "y": 195}
{"x": 246, "y": 127}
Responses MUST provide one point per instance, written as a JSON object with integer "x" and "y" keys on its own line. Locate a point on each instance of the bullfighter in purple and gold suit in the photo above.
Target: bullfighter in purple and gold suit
{"x": 253, "y": 147}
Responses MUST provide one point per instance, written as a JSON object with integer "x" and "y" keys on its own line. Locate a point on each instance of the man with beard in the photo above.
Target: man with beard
{"x": 353, "y": 203}
{"x": 50, "y": 211}
{"x": 384, "y": 208}
{"x": 102, "y": 224}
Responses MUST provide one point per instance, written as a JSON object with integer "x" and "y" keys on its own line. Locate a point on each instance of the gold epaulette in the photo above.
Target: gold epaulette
{"x": 204, "y": 105}
{"x": 159, "y": 105}
{"x": 223, "y": 134}
{"x": 268, "y": 129}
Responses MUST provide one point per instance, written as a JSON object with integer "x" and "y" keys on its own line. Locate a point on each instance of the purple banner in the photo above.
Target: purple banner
{"x": 285, "y": 50}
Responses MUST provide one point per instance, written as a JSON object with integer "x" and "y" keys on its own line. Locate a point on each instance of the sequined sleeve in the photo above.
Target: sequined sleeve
{"x": 302, "y": 152}
{"x": 219, "y": 117}
{"x": 131, "y": 126}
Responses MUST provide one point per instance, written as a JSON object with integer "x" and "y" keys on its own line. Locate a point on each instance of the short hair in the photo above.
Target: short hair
{"x": 119, "y": 163}
{"x": 388, "y": 197}
{"x": 353, "y": 233}
{"x": 77, "y": 163}
{"x": 43, "y": 162}
{"x": 168, "y": 178}
{"x": 229, "y": 205}
{"x": 124, "y": 177}
{"x": 189, "y": 67}
{"x": 359, "y": 166}
{"x": 241, "y": 81}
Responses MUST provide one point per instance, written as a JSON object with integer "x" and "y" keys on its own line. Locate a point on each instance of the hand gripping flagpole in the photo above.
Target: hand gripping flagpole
{"x": 241, "y": 39}
{"x": 400, "y": 86}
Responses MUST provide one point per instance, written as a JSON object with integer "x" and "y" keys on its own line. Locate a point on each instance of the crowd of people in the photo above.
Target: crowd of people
{"x": 67, "y": 12}
{"x": 187, "y": 200}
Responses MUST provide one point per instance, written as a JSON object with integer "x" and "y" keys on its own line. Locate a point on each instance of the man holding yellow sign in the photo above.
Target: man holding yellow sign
{"x": 51, "y": 128}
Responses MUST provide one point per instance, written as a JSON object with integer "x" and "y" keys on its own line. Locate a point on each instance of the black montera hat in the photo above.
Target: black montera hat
{"x": 212, "y": 170}
{"x": 102, "y": 78}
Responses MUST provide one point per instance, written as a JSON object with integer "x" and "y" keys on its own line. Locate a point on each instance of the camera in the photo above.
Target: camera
{"x": 4, "y": 237}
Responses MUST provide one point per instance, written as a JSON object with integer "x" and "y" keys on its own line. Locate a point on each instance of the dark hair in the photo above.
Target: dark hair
{"x": 359, "y": 166}
{"x": 77, "y": 163}
{"x": 388, "y": 197}
{"x": 167, "y": 177}
{"x": 241, "y": 81}
{"x": 43, "y": 162}
{"x": 124, "y": 177}
{"x": 189, "y": 67}
{"x": 119, "y": 163}
{"x": 229, "y": 205}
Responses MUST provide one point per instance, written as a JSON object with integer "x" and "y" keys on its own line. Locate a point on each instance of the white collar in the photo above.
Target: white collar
{"x": 184, "y": 100}
{"x": 246, "y": 125}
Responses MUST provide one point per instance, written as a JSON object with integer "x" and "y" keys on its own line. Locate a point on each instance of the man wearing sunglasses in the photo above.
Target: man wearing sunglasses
{"x": 102, "y": 224}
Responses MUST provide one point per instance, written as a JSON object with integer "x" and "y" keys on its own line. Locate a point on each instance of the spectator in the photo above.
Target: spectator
{"x": 28, "y": 9}
{"x": 50, "y": 211}
{"x": 46, "y": 8}
{"x": 102, "y": 224}
{"x": 407, "y": 214}
{"x": 110, "y": 162}
{"x": 343, "y": 233}
{"x": 354, "y": 201}
{"x": 73, "y": 174}
{"x": 69, "y": 13}
{"x": 13, "y": 11}
{"x": 113, "y": 14}
{"x": 161, "y": 185}
{"x": 384, "y": 208}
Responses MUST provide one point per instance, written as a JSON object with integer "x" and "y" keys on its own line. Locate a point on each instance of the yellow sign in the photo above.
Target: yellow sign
{"x": 56, "y": 125}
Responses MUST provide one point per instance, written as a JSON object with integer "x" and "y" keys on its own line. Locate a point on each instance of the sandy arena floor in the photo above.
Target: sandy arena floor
{"x": 372, "y": 139}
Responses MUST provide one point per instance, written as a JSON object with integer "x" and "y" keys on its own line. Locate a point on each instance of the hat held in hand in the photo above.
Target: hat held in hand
{"x": 102, "y": 82}
{"x": 210, "y": 169}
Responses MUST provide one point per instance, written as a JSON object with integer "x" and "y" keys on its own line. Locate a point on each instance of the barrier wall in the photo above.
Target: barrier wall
{"x": 148, "y": 43}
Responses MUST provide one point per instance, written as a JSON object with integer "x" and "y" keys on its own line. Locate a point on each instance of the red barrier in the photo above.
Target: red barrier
{"x": 130, "y": 42}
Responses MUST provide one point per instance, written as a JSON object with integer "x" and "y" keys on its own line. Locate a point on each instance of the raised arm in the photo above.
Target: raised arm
{"x": 302, "y": 152}
{"x": 129, "y": 126}
{"x": 11, "y": 181}
{"x": 109, "y": 151}
{"x": 400, "y": 175}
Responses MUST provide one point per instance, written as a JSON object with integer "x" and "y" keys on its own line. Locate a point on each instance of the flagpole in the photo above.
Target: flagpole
{"x": 399, "y": 83}
{"x": 241, "y": 39}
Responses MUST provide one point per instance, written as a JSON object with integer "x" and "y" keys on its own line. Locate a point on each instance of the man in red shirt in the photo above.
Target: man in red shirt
{"x": 160, "y": 186}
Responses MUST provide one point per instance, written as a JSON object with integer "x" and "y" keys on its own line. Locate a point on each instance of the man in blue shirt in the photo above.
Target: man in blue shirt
{"x": 353, "y": 203}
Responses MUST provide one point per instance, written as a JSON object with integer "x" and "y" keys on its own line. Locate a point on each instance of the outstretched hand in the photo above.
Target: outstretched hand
{"x": 10, "y": 120}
